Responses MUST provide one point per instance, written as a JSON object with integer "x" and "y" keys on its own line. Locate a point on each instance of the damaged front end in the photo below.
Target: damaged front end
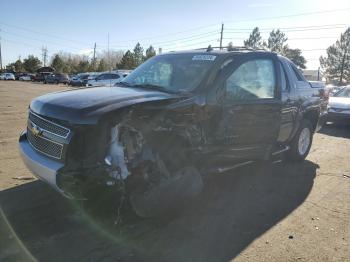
{"x": 132, "y": 157}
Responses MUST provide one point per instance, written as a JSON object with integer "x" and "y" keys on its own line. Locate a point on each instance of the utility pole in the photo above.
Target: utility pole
{"x": 44, "y": 55}
{"x": 109, "y": 59}
{"x": 0, "y": 53}
{"x": 221, "y": 35}
{"x": 94, "y": 59}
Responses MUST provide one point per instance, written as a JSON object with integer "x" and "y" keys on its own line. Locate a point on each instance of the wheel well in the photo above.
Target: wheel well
{"x": 312, "y": 116}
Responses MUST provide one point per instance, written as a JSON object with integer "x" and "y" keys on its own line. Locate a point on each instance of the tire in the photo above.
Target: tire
{"x": 301, "y": 143}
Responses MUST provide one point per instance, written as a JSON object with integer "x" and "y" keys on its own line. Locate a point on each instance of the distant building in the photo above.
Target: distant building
{"x": 313, "y": 75}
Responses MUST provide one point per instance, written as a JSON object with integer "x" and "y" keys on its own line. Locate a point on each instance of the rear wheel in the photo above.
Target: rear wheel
{"x": 301, "y": 143}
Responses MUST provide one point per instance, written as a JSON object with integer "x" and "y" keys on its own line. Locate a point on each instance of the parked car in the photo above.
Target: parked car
{"x": 40, "y": 77}
{"x": 56, "y": 78}
{"x": 339, "y": 107}
{"x": 174, "y": 119}
{"x": 7, "y": 76}
{"x": 106, "y": 79}
{"x": 79, "y": 80}
{"x": 25, "y": 77}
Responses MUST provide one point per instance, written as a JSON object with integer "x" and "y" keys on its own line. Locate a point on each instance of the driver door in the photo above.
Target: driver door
{"x": 251, "y": 107}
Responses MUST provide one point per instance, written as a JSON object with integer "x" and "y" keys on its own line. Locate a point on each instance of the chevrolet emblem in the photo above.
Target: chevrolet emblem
{"x": 37, "y": 131}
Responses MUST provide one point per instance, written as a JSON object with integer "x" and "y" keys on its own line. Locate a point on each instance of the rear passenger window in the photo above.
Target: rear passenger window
{"x": 284, "y": 84}
{"x": 297, "y": 73}
{"x": 114, "y": 76}
{"x": 254, "y": 79}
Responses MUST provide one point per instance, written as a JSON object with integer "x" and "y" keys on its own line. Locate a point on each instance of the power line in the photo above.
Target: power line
{"x": 38, "y": 40}
{"x": 193, "y": 37}
{"x": 294, "y": 27}
{"x": 287, "y": 30}
{"x": 41, "y": 33}
{"x": 189, "y": 45}
{"x": 187, "y": 30}
{"x": 290, "y": 15}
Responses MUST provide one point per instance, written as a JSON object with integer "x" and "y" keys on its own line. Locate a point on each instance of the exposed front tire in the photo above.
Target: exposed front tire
{"x": 301, "y": 143}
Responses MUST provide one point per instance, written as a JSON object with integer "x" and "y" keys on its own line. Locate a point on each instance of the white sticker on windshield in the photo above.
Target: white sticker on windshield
{"x": 204, "y": 57}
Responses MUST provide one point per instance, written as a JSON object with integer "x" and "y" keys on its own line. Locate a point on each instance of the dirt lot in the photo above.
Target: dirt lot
{"x": 271, "y": 212}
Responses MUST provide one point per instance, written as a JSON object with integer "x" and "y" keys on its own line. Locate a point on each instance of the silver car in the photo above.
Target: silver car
{"x": 339, "y": 106}
{"x": 107, "y": 79}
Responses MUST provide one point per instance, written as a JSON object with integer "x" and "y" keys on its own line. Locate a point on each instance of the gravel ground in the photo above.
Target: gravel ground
{"x": 270, "y": 212}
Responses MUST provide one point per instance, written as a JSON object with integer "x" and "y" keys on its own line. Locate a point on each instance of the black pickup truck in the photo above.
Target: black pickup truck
{"x": 174, "y": 119}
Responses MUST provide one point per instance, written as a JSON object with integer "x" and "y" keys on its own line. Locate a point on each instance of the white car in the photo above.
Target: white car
{"x": 339, "y": 107}
{"x": 25, "y": 78}
{"x": 107, "y": 79}
{"x": 7, "y": 76}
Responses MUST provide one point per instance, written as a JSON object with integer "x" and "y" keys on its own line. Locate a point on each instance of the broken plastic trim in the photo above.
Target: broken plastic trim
{"x": 116, "y": 157}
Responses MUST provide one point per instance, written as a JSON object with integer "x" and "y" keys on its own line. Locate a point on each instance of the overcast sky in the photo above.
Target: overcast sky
{"x": 74, "y": 26}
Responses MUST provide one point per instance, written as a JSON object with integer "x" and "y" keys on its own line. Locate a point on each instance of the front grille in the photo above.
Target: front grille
{"x": 49, "y": 126}
{"x": 45, "y": 146}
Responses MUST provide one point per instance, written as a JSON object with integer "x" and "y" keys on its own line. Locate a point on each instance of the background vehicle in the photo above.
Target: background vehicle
{"x": 56, "y": 78}
{"x": 339, "y": 106}
{"x": 79, "y": 80}
{"x": 174, "y": 119}
{"x": 107, "y": 79}
{"x": 40, "y": 77}
{"x": 25, "y": 77}
{"x": 7, "y": 76}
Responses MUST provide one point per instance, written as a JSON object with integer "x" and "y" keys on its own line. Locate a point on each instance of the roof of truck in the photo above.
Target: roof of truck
{"x": 220, "y": 51}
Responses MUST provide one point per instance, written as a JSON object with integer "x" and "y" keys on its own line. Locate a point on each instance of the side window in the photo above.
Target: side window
{"x": 284, "y": 84}
{"x": 253, "y": 79}
{"x": 114, "y": 76}
{"x": 297, "y": 73}
{"x": 100, "y": 77}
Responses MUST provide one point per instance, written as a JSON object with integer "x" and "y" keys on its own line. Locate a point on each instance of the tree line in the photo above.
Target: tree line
{"x": 72, "y": 64}
{"x": 335, "y": 65}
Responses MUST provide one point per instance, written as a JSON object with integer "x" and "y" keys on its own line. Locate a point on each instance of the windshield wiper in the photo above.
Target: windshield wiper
{"x": 123, "y": 83}
{"x": 154, "y": 87}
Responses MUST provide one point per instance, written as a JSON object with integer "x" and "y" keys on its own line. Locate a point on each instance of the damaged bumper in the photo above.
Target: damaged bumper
{"x": 42, "y": 167}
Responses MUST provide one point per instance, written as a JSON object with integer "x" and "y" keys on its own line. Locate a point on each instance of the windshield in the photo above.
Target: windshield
{"x": 173, "y": 72}
{"x": 343, "y": 93}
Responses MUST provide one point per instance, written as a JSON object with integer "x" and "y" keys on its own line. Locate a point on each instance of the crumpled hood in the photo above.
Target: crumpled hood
{"x": 339, "y": 102}
{"x": 85, "y": 106}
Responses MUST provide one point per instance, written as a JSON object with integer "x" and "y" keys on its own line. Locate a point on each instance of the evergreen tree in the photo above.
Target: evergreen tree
{"x": 138, "y": 55}
{"x": 276, "y": 41}
{"x": 127, "y": 61}
{"x": 83, "y": 66}
{"x": 58, "y": 64}
{"x": 150, "y": 52}
{"x": 254, "y": 40}
{"x": 16, "y": 66}
{"x": 102, "y": 66}
{"x": 295, "y": 56}
{"x": 31, "y": 64}
{"x": 336, "y": 65}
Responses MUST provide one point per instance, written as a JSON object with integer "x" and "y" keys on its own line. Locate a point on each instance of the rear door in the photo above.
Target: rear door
{"x": 289, "y": 104}
{"x": 251, "y": 106}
